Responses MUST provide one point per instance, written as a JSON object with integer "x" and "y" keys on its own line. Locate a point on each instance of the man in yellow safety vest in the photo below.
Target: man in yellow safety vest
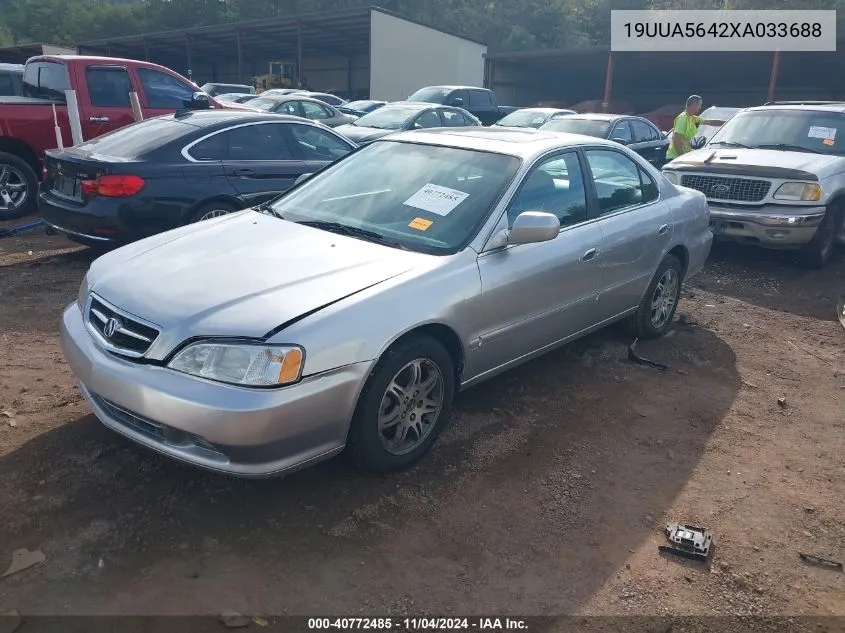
{"x": 685, "y": 128}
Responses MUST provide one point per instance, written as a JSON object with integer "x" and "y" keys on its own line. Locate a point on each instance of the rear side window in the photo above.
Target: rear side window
{"x": 46, "y": 80}
{"x": 315, "y": 111}
{"x": 316, "y": 144}
{"x": 643, "y": 131}
{"x": 479, "y": 98}
{"x": 249, "y": 142}
{"x": 163, "y": 90}
{"x": 138, "y": 139}
{"x": 453, "y": 119}
{"x": 108, "y": 87}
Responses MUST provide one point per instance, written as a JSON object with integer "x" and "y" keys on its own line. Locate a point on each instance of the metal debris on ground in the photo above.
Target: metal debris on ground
{"x": 234, "y": 620}
{"x": 632, "y": 356}
{"x": 821, "y": 562}
{"x": 782, "y": 402}
{"x": 688, "y": 541}
{"x": 24, "y": 559}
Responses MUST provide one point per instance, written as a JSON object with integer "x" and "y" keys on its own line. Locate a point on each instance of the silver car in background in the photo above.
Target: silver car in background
{"x": 348, "y": 312}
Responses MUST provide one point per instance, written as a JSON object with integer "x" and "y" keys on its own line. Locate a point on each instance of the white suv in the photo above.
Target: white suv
{"x": 774, "y": 176}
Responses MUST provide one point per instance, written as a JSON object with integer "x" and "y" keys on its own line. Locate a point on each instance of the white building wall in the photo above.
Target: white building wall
{"x": 405, "y": 57}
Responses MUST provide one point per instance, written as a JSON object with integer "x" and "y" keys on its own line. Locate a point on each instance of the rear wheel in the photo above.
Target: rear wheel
{"x": 212, "y": 210}
{"x": 18, "y": 187}
{"x": 404, "y": 406}
{"x": 658, "y": 306}
{"x": 818, "y": 252}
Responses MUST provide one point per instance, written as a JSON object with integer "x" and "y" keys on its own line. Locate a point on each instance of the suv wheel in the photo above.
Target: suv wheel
{"x": 818, "y": 251}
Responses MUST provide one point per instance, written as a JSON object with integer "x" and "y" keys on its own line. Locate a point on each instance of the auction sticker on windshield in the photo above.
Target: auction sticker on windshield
{"x": 817, "y": 131}
{"x": 421, "y": 224}
{"x": 436, "y": 199}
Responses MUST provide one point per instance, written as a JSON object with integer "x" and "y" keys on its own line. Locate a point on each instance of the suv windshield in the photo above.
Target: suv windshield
{"x": 388, "y": 118}
{"x": 573, "y": 125}
{"x": 424, "y": 198}
{"x": 430, "y": 95}
{"x": 812, "y": 131}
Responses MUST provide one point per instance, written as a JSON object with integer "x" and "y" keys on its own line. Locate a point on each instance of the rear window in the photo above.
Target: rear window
{"x": 138, "y": 139}
{"x": 480, "y": 99}
{"x": 46, "y": 80}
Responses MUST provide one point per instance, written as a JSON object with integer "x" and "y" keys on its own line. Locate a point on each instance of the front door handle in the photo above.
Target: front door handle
{"x": 590, "y": 254}
{"x": 663, "y": 229}
{"x": 99, "y": 119}
{"x": 244, "y": 172}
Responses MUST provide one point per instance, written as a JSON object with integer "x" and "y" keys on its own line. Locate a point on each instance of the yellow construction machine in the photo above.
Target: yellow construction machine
{"x": 282, "y": 75}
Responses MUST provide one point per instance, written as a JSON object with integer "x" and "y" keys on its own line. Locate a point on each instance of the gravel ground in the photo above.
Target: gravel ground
{"x": 547, "y": 495}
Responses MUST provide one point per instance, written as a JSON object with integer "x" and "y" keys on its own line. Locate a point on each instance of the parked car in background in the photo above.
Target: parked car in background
{"x": 362, "y": 107}
{"x": 174, "y": 170}
{"x": 531, "y": 117}
{"x": 714, "y": 118}
{"x": 279, "y": 92}
{"x": 774, "y": 176}
{"x": 219, "y": 89}
{"x": 11, "y": 80}
{"x": 325, "y": 97}
{"x": 102, "y": 86}
{"x": 405, "y": 116}
{"x": 635, "y": 132}
{"x": 480, "y": 102}
{"x": 302, "y": 106}
{"x": 234, "y": 97}
{"x": 415, "y": 248}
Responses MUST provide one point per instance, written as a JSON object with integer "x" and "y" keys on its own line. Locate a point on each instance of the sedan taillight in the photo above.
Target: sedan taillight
{"x": 114, "y": 186}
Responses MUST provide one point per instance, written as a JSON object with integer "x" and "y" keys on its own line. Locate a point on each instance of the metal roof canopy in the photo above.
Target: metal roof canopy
{"x": 20, "y": 53}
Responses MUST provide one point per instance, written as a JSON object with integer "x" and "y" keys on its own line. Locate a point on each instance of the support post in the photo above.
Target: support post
{"x": 136, "y": 106}
{"x": 349, "y": 61}
{"x": 190, "y": 64}
{"x": 491, "y": 79}
{"x": 240, "y": 55}
{"x": 298, "y": 54}
{"x": 773, "y": 79}
{"x": 608, "y": 82}
{"x": 73, "y": 117}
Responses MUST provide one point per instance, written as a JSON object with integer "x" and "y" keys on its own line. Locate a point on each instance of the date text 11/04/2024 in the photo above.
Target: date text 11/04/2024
{"x": 417, "y": 624}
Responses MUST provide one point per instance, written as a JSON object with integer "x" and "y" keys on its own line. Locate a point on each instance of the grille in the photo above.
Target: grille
{"x": 122, "y": 332}
{"x": 719, "y": 188}
{"x": 128, "y": 419}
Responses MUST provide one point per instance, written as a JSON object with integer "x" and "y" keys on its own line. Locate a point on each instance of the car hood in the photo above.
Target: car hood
{"x": 357, "y": 133}
{"x": 759, "y": 162}
{"x": 241, "y": 275}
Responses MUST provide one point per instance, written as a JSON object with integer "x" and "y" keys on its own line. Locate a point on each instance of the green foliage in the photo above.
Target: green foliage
{"x": 503, "y": 24}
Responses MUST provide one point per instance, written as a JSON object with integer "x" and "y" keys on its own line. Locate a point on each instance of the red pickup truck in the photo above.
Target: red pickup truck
{"x": 102, "y": 86}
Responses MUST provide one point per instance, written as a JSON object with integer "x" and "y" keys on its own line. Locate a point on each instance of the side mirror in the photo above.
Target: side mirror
{"x": 529, "y": 227}
{"x": 301, "y": 178}
{"x": 698, "y": 142}
{"x": 199, "y": 101}
{"x": 457, "y": 101}
{"x": 621, "y": 141}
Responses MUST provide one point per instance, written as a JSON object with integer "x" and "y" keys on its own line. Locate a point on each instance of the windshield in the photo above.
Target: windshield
{"x": 430, "y": 95}
{"x": 388, "y": 118}
{"x": 572, "y": 125}
{"x": 524, "y": 118}
{"x": 263, "y": 104}
{"x": 364, "y": 106}
{"x": 421, "y": 197}
{"x": 812, "y": 131}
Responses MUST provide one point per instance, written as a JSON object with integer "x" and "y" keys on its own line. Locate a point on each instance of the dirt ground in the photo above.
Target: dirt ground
{"x": 547, "y": 495}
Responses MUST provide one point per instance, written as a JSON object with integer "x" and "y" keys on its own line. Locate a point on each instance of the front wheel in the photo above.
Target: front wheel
{"x": 18, "y": 187}
{"x": 658, "y": 306}
{"x": 818, "y": 252}
{"x": 404, "y": 405}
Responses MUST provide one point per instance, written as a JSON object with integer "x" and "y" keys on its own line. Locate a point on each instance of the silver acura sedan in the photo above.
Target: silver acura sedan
{"x": 349, "y": 311}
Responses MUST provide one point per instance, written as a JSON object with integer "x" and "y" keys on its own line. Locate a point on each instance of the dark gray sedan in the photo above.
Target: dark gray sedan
{"x": 405, "y": 115}
{"x": 302, "y": 106}
{"x": 636, "y": 132}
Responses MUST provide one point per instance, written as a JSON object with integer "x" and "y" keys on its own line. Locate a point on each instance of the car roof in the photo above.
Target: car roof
{"x": 524, "y": 143}
{"x": 222, "y": 118}
{"x": 542, "y": 110}
{"x": 290, "y": 97}
{"x": 601, "y": 116}
{"x": 418, "y": 105}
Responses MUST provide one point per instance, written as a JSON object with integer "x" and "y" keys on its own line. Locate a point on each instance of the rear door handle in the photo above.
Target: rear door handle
{"x": 590, "y": 254}
{"x": 244, "y": 172}
{"x": 663, "y": 229}
{"x": 99, "y": 119}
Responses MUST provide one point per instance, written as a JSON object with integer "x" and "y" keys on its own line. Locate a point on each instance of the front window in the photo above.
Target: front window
{"x": 523, "y": 118}
{"x": 164, "y": 91}
{"x": 388, "y": 118}
{"x": 430, "y": 95}
{"x": 812, "y": 131}
{"x": 423, "y": 198}
{"x": 572, "y": 125}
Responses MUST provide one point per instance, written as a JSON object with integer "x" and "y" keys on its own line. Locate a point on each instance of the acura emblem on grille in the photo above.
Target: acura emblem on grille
{"x": 111, "y": 326}
{"x": 719, "y": 189}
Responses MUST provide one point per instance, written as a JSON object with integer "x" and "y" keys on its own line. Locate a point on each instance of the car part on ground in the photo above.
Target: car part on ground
{"x": 173, "y": 170}
{"x": 774, "y": 177}
{"x": 689, "y": 541}
{"x": 372, "y": 314}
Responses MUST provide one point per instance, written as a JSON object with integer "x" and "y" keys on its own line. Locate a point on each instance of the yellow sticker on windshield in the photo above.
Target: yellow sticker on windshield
{"x": 421, "y": 224}
{"x": 828, "y": 141}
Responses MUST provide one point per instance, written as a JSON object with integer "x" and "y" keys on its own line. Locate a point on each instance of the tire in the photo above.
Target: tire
{"x": 818, "y": 252}
{"x": 643, "y": 323}
{"x": 379, "y": 449}
{"x": 18, "y": 187}
{"x": 205, "y": 211}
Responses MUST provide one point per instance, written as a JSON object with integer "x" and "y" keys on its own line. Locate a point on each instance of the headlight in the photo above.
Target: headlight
{"x": 84, "y": 289}
{"x": 805, "y": 191}
{"x": 250, "y": 365}
{"x": 671, "y": 176}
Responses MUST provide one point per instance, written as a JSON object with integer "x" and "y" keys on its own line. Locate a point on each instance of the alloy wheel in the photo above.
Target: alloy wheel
{"x": 13, "y": 188}
{"x": 664, "y": 298}
{"x": 410, "y": 406}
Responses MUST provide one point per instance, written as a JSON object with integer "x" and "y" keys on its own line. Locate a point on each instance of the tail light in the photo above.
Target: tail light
{"x": 114, "y": 186}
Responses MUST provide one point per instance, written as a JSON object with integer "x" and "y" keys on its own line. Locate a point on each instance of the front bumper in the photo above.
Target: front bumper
{"x": 228, "y": 429}
{"x": 770, "y": 226}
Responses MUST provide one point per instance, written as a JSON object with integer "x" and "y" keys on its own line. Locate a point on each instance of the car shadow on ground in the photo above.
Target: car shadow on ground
{"x": 773, "y": 279}
{"x": 546, "y": 480}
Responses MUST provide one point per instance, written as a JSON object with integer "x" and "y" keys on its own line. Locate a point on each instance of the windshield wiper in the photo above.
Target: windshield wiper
{"x": 730, "y": 144}
{"x": 352, "y": 231}
{"x": 267, "y": 207}
{"x": 786, "y": 147}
